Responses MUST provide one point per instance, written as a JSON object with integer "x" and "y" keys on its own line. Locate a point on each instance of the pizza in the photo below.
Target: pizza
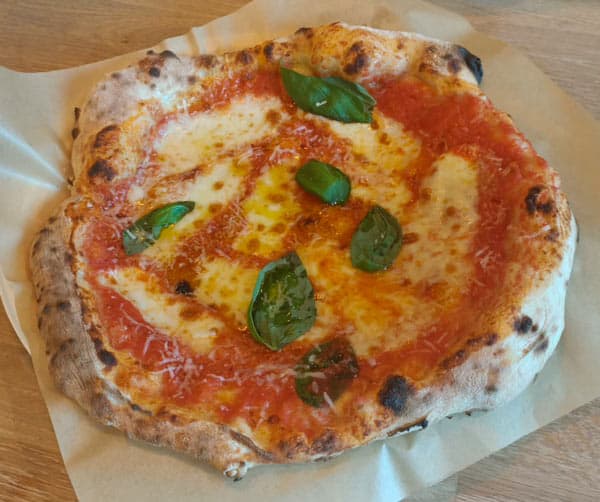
{"x": 281, "y": 253}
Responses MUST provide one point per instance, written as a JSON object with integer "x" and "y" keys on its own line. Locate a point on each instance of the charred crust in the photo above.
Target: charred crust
{"x": 421, "y": 424}
{"x": 240, "y": 438}
{"x": 46, "y": 309}
{"x": 325, "y": 443}
{"x": 533, "y": 204}
{"x": 101, "y": 169}
{"x": 63, "y": 306}
{"x": 154, "y": 71}
{"x": 306, "y": 32}
{"x": 103, "y": 136}
{"x": 472, "y": 62}
{"x": 184, "y": 288}
{"x": 206, "y": 60}
{"x": 77, "y": 112}
{"x": 244, "y": 57}
{"x": 191, "y": 79}
{"x": 542, "y": 344}
{"x": 491, "y": 388}
{"x": 268, "y": 51}
{"x": 394, "y": 393}
{"x": 523, "y": 324}
{"x": 359, "y": 58}
{"x": 291, "y": 448}
{"x": 149, "y": 52}
{"x": 454, "y": 65}
{"x": 455, "y": 359}
{"x": 138, "y": 408}
{"x": 116, "y": 75}
{"x": 107, "y": 358}
{"x": 75, "y": 132}
{"x": 167, "y": 54}
{"x": 488, "y": 339}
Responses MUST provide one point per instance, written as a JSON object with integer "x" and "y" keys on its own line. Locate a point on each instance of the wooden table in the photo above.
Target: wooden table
{"x": 559, "y": 462}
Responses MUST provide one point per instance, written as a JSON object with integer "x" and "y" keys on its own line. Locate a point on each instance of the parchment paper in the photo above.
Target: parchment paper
{"x": 35, "y": 122}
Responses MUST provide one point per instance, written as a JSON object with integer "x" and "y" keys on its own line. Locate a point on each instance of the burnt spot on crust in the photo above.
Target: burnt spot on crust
{"x": 63, "y": 306}
{"x": 394, "y": 393}
{"x": 291, "y": 448}
{"x": 166, "y": 54}
{"x": 107, "y": 358}
{"x": 534, "y": 201}
{"x": 104, "y": 135}
{"x": 77, "y": 112}
{"x": 138, "y": 408}
{"x": 101, "y": 169}
{"x": 523, "y": 324}
{"x": 325, "y": 443}
{"x": 421, "y": 424}
{"x": 244, "y": 57}
{"x": 206, "y": 60}
{"x": 116, "y": 75}
{"x": 75, "y": 132}
{"x": 454, "y": 65}
{"x": 149, "y": 52}
{"x": 488, "y": 339}
{"x": 62, "y": 348}
{"x": 455, "y": 359}
{"x": 191, "y": 79}
{"x": 358, "y": 58}
{"x": 472, "y": 62}
{"x": 184, "y": 288}
{"x": 268, "y": 51}
{"x": 306, "y": 32}
{"x": 154, "y": 71}
{"x": 491, "y": 388}
{"x": 542, "y": 344}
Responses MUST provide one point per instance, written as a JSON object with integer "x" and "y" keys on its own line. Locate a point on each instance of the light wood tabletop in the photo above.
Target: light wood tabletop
{"x": 558, "y": 462}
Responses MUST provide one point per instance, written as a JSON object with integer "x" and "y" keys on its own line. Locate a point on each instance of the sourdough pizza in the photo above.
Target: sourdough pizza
{"x": 281, "y": 253}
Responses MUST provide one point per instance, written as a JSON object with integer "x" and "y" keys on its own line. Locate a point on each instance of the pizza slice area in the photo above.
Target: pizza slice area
{"x": 184, "y": 300}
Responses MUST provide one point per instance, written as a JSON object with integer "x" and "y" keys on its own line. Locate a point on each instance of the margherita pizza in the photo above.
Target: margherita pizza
{"x": 281, "y": 253}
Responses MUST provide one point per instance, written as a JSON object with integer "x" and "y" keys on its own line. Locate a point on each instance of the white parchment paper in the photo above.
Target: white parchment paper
{"x": 35, "y": 122}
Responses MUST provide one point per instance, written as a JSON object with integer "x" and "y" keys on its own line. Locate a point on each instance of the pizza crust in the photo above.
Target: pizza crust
{"x": 486, "y": 372}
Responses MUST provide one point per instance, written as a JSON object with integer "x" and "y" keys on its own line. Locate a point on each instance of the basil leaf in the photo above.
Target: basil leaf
{"x": 330, "y": 97}
{"x": 325, "y": 181}
{"x": 377, "y": 241}
{"x": 327, "y": 369}
{"x": 146, "y": 231}
{"x": 283, "y": 303}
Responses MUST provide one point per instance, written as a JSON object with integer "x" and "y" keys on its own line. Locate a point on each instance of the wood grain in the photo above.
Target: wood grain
{"x": 559, "y": 462}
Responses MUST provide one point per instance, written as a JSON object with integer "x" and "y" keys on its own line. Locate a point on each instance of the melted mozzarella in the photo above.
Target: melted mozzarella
{"x": 226, "y": 283}
{"x": 200, "y": 138}
{"x": 164, "y": 311}
{"x": 381, "y": 155}
{"x": 270, "y": 211}
{"x": 219, "y": 186}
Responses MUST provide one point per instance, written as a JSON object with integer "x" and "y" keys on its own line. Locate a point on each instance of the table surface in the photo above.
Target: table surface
{"x": 558, "y": 462}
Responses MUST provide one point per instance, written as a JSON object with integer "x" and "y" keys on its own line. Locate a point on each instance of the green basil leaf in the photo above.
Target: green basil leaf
{"x": 327, "y": 369}
{"x": 377, "y": 241}
{"x": 283, "y": 303}
{"x": 330, "y": 97}
{"x": 146, "y": 231}
{"x": 325, "y": 181}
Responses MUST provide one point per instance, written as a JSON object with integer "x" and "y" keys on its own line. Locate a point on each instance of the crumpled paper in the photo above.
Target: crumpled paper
{"x": 35, "y": 123}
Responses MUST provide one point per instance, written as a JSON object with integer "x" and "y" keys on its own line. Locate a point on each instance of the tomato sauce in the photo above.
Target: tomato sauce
{"x": 255, "y": 383}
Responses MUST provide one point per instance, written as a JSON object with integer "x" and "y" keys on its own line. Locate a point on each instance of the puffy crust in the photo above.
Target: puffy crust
{"x": 116, "y": 120}
{"x": 111, "y": 130}
{"x": 77, "y": 363}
